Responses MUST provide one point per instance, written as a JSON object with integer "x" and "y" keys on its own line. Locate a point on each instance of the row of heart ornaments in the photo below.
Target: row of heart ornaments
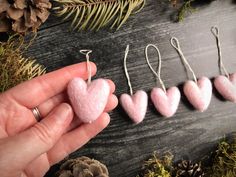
{"x": 89, "y": 99}
{"x": 166, "y": 101}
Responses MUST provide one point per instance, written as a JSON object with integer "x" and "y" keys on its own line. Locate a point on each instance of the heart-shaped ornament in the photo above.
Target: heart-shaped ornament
{"x": 88, "y": 100}
{"x": 166, "y": 103}
{"x": 226, "y": 86}
{"x": 199, "y": 94}
{"x": 135, "y": 105}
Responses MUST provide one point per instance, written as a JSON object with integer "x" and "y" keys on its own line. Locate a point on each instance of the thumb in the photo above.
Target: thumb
{"x": 30, "y": 144}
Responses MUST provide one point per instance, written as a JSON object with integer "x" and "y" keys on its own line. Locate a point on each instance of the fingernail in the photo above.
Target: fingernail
{"x": 63, "y": 113}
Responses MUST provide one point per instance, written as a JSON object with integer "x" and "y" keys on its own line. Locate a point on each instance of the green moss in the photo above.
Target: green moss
{"x": 185, "y": 8}
{"x": 157, "y": 167}
{"x": 224, "y": 161}
{"x": 14, "y": 67}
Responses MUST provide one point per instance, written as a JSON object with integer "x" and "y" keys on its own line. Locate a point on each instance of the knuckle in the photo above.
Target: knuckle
{"x": 43, "y": 133}
{"x": 44, "y": 85}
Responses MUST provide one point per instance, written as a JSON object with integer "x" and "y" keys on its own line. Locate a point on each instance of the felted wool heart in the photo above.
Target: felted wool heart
{"x": 199, "y": 94}
{"x": 226, "y": 86}
{"x": 135, "y": 105}
{"x": 88, "y": 100}
{"x": 166, "y": 103}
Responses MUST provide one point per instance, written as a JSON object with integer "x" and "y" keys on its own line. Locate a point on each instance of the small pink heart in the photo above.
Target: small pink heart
{"x": 135, "y": 105}
{"x": 166, "y": 103}
{"x": 88, "y": 101}
{"x": 226, "y": 86}
{"x": 199, "y": 95}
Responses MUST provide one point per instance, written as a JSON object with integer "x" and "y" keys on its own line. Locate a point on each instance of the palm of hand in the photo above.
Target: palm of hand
{"x": 16, "y": 116}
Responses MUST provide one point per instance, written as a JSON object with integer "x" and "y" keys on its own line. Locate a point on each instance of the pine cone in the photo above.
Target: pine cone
{"x": 22, "y": 16}
{"x": 188, "y": 169}
{"x": 82, "y": 167}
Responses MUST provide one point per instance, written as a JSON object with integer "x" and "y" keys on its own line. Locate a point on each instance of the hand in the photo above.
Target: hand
{"x": 28, "y": 148}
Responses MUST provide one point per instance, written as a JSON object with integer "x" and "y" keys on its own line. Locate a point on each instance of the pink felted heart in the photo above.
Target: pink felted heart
{"x": 135, "y": 105}
{"x": 88, "y": 101}
{"x": 226, "y": 87}
{"x": 166, "y": 103}
{"x": 199, "y": 95}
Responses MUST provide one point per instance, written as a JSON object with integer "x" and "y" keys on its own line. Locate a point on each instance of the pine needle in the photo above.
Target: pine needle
{"x": 95, "y": 14}
{"x": 15, "y": 68}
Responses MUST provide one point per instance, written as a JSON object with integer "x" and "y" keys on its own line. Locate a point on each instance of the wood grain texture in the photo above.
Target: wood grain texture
{"x": 124, "y": 146}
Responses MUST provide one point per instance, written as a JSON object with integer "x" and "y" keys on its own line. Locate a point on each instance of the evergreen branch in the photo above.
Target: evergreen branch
{"x": 95, "y": 14}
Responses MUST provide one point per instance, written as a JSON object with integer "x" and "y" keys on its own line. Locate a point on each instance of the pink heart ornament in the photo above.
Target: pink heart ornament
{"x": 88, "y": 100}
{"x": 199, "y": 94}
{"x": 135, "y": 105}
{"x": 166, "y": 103}
{"x": 226, "y": 86}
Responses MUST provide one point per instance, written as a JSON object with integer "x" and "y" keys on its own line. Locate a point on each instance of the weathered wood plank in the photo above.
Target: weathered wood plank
{"x": 123, "y": 146}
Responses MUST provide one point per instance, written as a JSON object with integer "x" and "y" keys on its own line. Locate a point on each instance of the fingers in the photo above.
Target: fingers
{"x": 32, "y": 93}
{"x": 111, "y": 103}
{"x": 51, "y": 103}
{"x": 112, "y": 85}
{"x": 42, "y": 165}
{"x": 39, "y": 138}
{"x": 77, "y": 138}
{"x": 46, "y": 107}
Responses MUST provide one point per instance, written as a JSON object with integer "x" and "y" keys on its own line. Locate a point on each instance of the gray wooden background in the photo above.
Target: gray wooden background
{"x": 123, "y": 146}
